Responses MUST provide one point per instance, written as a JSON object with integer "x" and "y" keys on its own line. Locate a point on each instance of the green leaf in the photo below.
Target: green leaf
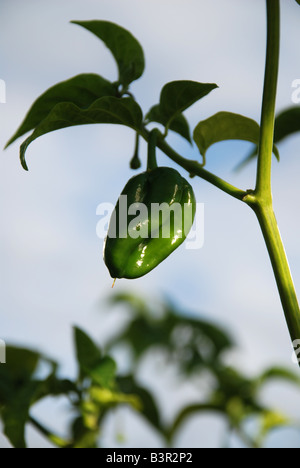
{"x": 177, "y": 96}
{"x": 104, "y": 372}
{"x": 179, "y": 124}
{"x": 53, "y": 386}
{"x": 17, "y": 391}
{"x": 101, "y": 369}
{"x": 226, "y": 126}
{"x": 149, "y": 407}
{"x": 287, "y": 123}
{"x": 15, "y": 413}
{"x": 20, "y": 366}
{"x": 191, "y": 411}
{"x": 82, "y": 436}
{"x": 217, "y": 339}
{"x": 235, "y": 387}
{"x": 109, "y": 110}
{"x": 298, "y": 1}
{"x": 271, "y": 420}
{"x": 136, "y": 304}
{"x": 279, "y": 373}
{"x": 81, "y": 90}
{"x": 88, "y": 354}
{"x": 126, "y": 50}
{"x": 191, "y": 344}
{"x": 252, "y": 155}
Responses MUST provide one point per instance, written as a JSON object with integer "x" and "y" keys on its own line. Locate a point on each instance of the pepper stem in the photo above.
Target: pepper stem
{"x": 151, "y": 161}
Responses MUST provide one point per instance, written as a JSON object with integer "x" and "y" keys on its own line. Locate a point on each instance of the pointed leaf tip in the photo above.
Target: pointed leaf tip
{"x": 125, "y": 48}
{"x": 88, "y": 353}
{"x": 23, "y": 149}
{"x": 177, "y": 96}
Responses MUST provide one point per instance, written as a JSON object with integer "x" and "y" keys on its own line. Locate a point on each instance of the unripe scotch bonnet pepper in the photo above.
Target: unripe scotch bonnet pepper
{"x": 166, "y": 205}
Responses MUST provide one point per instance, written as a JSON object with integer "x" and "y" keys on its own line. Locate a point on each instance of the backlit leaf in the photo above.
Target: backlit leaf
{"x": 87, "y": 352}
{"x": 287, "y": 123}
{"x": 177, "y": 96}
{"x": 126, "y": 50}
{"x": 226, "y": 126}
{"x": 109, "y": 110}
{"x": 82, "y": 90}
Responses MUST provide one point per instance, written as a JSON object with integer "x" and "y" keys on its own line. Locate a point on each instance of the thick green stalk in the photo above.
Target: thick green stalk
{"x": 263, "y": 180}
{"x": 261, "y": 199}
{"x": 269, "y": 227}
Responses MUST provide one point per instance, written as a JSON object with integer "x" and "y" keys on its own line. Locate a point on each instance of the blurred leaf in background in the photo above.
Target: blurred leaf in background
{"x": 196, "y": 347}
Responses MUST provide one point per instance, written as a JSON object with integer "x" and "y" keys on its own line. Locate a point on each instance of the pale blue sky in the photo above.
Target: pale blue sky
{"x": 52, "y": 273}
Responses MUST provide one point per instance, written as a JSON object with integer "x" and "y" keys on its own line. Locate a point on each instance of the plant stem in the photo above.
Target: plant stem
{"x": 196, "y": 169}
{"x": 261, "y": 199}
{"x": 58, "y": 441}
{"x": 263, "y": 180}
{"x": 269, "y": 227}
{"x": 245, "y": 438}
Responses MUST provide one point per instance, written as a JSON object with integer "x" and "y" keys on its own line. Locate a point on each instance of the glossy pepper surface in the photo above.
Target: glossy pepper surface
{"x": 152, "y": 218}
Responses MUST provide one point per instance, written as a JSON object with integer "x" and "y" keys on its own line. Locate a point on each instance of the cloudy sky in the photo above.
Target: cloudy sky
{"x": 52, "y": 273}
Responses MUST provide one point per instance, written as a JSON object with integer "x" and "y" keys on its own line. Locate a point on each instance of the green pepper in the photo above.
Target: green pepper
{"x": 166, "y": 204}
